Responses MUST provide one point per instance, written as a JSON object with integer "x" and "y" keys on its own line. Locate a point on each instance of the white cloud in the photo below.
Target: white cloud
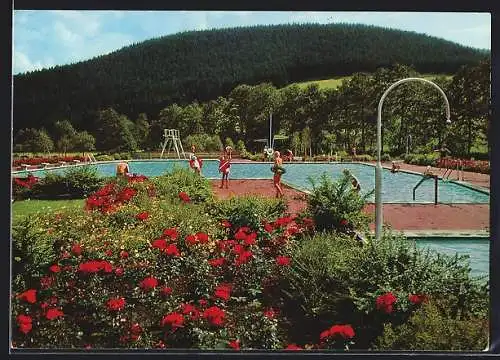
{"x": 68, "y": 37}
{"x": 21, "y": 63}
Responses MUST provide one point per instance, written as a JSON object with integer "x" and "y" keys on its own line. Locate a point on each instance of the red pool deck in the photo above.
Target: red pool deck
{"x": 410, "y": 217}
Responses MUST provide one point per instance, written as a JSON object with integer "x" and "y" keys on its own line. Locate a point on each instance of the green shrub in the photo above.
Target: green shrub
{"x": 104, "y": 157}
{"x": 169, "y": 186}
{"x": 229, "y": 142}
{"x": 33, "y": 251}
{"x": 364, "y": 157}
{"x": 246, "y": 211}
{"x": 385, "y": 157}
{"x": 240, "y": 146}
{"x": 76, "y": 182}
{"x": 429, "y": 328}
{"x": 203, "y": 143}
{"x": 335, "y": 205}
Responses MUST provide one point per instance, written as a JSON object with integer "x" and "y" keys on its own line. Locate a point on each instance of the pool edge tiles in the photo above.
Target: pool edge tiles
{"x": 476, "y": 234}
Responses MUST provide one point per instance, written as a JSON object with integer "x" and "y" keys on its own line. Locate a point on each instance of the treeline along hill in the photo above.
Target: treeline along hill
{"x": 181, "y": 68}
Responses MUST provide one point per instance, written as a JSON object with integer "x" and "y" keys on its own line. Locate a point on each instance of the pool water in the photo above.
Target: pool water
{"x": 478, "y": 250}
{"x": 396, "y": 188}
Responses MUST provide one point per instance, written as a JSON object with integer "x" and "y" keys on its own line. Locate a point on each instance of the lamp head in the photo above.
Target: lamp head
{"x": 448, "y": 121}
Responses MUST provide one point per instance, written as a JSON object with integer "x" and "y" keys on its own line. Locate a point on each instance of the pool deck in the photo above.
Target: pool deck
{"x": 412, "y": 219}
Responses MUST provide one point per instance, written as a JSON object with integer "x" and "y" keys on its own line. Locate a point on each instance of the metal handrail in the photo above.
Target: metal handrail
{"x": 435, "y": 187}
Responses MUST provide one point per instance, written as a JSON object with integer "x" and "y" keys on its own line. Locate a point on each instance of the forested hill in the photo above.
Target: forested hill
{"x": 180, "y": 68}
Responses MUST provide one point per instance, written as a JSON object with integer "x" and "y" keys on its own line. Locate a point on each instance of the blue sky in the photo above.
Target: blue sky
{"x": 44, "y": 38}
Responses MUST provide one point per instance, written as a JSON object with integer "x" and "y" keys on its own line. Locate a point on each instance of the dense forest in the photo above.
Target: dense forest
{"x": 198, "y": 67}
{"x": 316, "y": 120}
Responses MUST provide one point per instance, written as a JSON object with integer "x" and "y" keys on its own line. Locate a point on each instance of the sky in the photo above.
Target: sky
{"x": 45, "y": 38}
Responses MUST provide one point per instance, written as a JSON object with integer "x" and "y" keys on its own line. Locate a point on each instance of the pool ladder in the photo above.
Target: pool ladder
{"x": 435, "y": 187}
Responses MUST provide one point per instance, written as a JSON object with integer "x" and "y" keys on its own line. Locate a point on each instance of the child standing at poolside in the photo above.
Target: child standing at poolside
{"x": 278, "y": 171}
{"x": 224, "y": 165}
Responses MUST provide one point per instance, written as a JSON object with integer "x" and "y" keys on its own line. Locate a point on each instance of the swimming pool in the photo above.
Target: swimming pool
{"x": 478, "y": 250}
{"x": 397, "y": 188}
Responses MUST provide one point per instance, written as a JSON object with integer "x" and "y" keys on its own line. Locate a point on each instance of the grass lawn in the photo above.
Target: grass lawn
{"x": 336, "y": 82}
{"x": 30, "y": 207}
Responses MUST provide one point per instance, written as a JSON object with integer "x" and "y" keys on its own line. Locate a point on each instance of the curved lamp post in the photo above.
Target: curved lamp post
{"x": 378, "y": 168}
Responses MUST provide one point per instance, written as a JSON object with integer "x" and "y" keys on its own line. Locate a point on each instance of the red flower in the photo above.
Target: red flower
{"x": 119, "y": 271}
{"x": 159, "y": 244}
{"x": 240, "y": 235}
{"x": 216, "y": 262}
{"x": 343, "y": 222}
{"x": 202, "y": 237}
{"x": 171, "y": 233}
{"x": 417, "y": 299}
{"x": 90, "y": 266}
{"x": 28, "y": 295}
{"x": 191, "y": 310}
{"x": 166, "y": 290}
{"x": 148, "y": 283}
{"x": 136, "y": 329}
{"x": 190, "y": 239}
{"x": 184, "y": 197}
{"x": 53, "y": 314}
{"x": 268, "y": 227}
{"x": 55, "y": 268}
{"x": 116, "y": 304}
{"x": 234, "y": 344}
{"x": 123, "y": 254}
{"x": 343, "y": 331}
{"x": 338, "y": 331}
{"x": 142, "y": 216}
{"x": 76, "y": 249}
{"x": 270, "y": 313}
{"x": 25, "y": 323}
{"x": 108, "y": 253}
{"x": 243, "y": 258}
{"x": 283, "y": 260}
{"x": 174, "y": 319}
{"x": 214, "y": 315}
{"x": 106, "y": 266}
{"x": 226, "y": 224}
{"x": 250, "y": 239}
{"x": 172, "y": 250}
{"x": 281, "y": 222}
{"x": 223, "y": 291}
{"x": 293, "y": 347}
{"x": 385, "y": 302}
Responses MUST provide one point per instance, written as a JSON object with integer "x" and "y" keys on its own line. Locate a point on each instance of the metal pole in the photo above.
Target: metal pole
{"x": 378, "y": 168}
{"x": 270, "y": 130}
{"x": 435, "y": 189}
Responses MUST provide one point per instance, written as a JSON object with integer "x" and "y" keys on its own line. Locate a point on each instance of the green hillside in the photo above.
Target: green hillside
{"x": 148, "y": 76}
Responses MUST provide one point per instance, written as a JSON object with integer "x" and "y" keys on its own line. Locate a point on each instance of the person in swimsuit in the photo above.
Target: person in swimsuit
{"x": 122, "y": 169}
{"x": 224, "y": 165}
{"x": 278, "y": 171}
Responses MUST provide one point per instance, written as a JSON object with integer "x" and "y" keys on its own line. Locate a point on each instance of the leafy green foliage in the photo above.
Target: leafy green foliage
{"x": 246, "y": 211}
{"x": 431, "y": 328}
{"x": 76, "y": 182}
{"x": 169, "y": 186}
{"x": 335, "y": 205}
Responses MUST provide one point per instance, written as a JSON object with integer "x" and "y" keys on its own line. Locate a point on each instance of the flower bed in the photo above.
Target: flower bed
{"x": 36, "y": 161}
{"x": 139, "y": 269}
{"x": 480, "y": 166}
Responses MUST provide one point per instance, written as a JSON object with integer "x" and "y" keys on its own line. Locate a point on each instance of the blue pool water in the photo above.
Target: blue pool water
{"x": 478, "y": 250}
{"x": 397, "y": 188}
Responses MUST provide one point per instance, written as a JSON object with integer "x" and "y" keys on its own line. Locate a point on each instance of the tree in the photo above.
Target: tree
{"x": 295, "y": 142}
{"x": 84, "y": 141}
{"x": 142, "y": 128}
{"x": 115, "y": 132}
